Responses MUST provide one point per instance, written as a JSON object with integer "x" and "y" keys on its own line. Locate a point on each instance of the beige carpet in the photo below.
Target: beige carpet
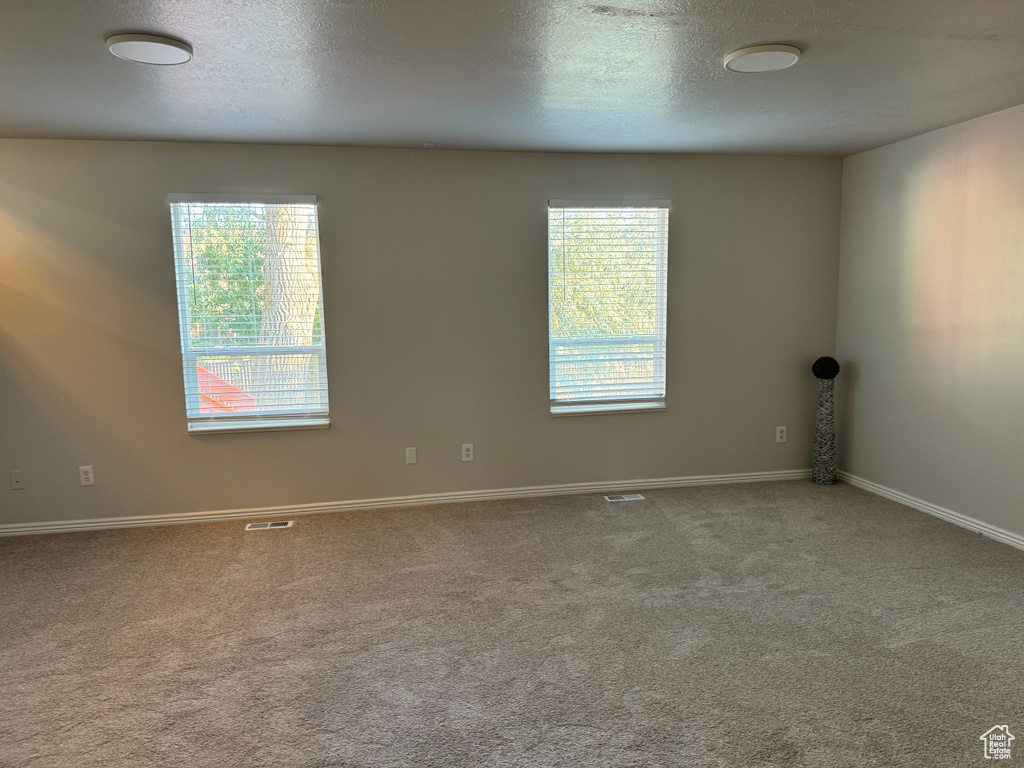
{"x": 779, "y": 624}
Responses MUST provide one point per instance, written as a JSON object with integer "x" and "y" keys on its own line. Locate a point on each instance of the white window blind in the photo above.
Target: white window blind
{"x": 607, "y": 270}
{"x": 250, "y": 307}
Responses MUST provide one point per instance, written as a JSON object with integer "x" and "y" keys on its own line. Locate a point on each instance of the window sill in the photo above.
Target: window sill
{"x": 599, "y": 408}
{"x": 255, "y": 425}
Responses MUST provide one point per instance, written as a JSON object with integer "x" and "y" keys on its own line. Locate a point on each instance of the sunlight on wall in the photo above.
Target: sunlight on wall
{"x": 71, "y": 332}
{"x": 964, "y": 255}
{"x": 932, "y": 317}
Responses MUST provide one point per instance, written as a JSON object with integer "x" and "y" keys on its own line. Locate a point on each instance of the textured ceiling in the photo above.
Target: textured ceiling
{"x": 605, "y": 75}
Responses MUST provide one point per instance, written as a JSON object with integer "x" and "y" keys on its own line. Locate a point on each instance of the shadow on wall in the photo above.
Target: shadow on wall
{"x": 846, "y": 385}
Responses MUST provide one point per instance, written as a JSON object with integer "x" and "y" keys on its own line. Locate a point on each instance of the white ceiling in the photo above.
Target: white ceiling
{"x": 603, "y": 75}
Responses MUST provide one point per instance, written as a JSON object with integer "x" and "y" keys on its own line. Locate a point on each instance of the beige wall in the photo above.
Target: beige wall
{"x": 931, "y": 317}
{"x": 435, "y": 290}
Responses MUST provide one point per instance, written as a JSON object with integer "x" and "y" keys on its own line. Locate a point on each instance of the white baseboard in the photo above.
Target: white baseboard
{"x": 992, "y": 531}
{"x": 64, "y": 526}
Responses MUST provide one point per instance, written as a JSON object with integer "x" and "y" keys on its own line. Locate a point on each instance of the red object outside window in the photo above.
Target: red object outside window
{"x": 217, "y": 395}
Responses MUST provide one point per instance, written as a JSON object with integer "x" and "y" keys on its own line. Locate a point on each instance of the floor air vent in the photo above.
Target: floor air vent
{"x": 265, "y": 526}
{"x": 624, "y": 497}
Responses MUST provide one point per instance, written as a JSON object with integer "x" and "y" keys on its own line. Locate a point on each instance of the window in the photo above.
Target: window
{"x": 607, "y": 269}
{"x": 250, "y": 307}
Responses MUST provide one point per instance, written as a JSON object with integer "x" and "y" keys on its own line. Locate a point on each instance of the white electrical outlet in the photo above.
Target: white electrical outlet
{"x": 467, "y": 451}
{"x": 410, "y": 455}
{"x": 780, "y": 434}
{"x": 17, "y": 480}
{"x": 85, "y": 476}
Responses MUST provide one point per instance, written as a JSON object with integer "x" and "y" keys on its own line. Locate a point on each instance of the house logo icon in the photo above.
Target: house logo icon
{"x": 997, "y": 742}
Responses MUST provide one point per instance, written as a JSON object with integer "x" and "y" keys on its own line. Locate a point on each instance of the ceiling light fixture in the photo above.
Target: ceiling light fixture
{"x": 149, "y": 49}
{"x": 762, "y": 58}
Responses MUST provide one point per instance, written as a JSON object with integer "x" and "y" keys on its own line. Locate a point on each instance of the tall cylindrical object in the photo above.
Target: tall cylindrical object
{"x": 824, "y": 469}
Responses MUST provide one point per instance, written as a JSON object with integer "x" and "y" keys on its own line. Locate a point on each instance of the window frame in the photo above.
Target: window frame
{"x": 268, "y": 420}
{"x": 559, "y": 409}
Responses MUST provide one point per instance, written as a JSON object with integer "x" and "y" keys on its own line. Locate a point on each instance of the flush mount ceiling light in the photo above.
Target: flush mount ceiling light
{"x": 149, "y": 49}
{"x": 762, "y": 58}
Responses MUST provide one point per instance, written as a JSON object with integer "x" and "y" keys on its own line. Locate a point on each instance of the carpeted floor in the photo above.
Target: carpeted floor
{"x": 779, "y": 624}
